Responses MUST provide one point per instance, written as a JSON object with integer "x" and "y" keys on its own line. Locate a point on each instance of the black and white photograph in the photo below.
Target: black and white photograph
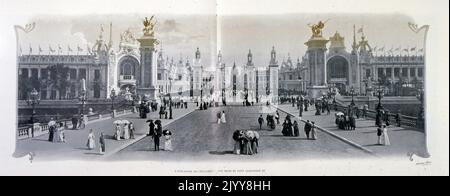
{"x": 211, "y": 88}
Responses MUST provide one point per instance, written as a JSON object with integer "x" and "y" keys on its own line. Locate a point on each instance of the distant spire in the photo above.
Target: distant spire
{"x": 354, "y": 45}
{"x": 197, "y": 53}
{"x": 110, "y": 36}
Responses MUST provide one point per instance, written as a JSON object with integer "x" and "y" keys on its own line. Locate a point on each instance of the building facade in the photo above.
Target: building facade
{"x": 360, "y": 69}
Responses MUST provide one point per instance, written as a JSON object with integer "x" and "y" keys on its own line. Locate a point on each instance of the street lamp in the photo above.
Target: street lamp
{"x": 421, "y": 115}
{"x": 170, "y": 100}
{"x": 379, "y": 95}
{"x": 113, "y": 96}
{"x": 33, "y": 100}
{"x": 83, "y": 100}
{"x": 352, "y": 92}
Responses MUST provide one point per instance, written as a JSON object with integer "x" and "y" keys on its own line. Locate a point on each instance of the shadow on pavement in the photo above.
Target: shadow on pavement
{"x": 220, "y": 152}
{"x": 295, "y": 138}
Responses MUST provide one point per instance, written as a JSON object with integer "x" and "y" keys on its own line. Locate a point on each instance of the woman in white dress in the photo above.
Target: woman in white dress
{"x": 118, "y": 132}
{"x": 91, "y": 140}
{"x": 386, "y": 142}
{"x": 168, "y": 142}
{"x": 222, "y": 117}
{"x": 313, "y": 131}
{"x": 125, "y": 132}
{"x": 62, "y": 136}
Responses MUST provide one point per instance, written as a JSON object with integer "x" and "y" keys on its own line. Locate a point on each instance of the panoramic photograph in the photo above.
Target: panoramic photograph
{"x": 210, "y": 88}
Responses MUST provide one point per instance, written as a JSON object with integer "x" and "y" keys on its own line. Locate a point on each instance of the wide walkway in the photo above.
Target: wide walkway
{"x": 75, "y": 147}
{"x": 198, "y": 137}
{"x": 403, "y": 139}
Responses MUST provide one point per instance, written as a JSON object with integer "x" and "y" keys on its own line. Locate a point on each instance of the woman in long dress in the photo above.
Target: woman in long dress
{"x": 387, "y": 142}
{"x": 56, "y": 132}
{"x": 222, "y": 117}
{"x": 91, "y": 140}
{"x": 125, "y": 132}
{"x": 118, "y": 132}
{"x": 168, "y": 142}
{"x": 313, "y": 131}
{"x": 237, "y": 142}
{"x": 62, "y": 136}
{"x": 131, "y": 129}
{"x": 296, "y": 130}
{"x": 101, "y": 141}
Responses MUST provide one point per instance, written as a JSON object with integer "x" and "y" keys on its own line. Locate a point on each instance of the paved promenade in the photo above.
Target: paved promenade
{"x": 75, "y": 147}
{"x": 403, "y": 139}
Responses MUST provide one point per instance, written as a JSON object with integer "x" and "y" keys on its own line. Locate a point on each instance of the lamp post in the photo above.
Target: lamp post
{"x": 33, "y": 100}
{"x": 421, "y": 114}
{"x": 83, "y": 100}
{"x": 223, "y": 84}
{"x": 352, "y": 92}
{"x": 113, "y": 96}
{"x": 379, "y": 95}
{"x": 170, "y": 100}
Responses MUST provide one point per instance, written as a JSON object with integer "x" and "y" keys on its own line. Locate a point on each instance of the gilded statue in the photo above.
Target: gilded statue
{"x": 317, "y": 28}
{"x": 148, "y": 26}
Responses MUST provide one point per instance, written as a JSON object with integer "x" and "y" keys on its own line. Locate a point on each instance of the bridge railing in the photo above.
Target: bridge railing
{"x": 408, "y": 121}
{"x": 25, "y": 131}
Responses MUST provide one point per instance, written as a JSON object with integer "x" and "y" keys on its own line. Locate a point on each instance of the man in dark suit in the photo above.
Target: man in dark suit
{"x": 260, "y": 121}
{"x": 307, "y": 128}
{"x": 156, "y": 135}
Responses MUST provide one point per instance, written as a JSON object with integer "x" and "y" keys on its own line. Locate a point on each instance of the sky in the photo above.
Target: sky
{"x": 233, "y": 35}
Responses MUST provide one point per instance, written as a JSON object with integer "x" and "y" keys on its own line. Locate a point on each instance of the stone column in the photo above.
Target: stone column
{"x": 147, "y": 86}
{"x": 317, "y": 63}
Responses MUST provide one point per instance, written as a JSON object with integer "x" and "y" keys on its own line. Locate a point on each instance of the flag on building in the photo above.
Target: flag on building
{"x": 360, "y": 30}
{"x": 79, "y": 49}
{"x": 413, "y": 49}
{"x": 40, "y": 49}
{"x": 59, "y": 48}
{"x": 69, "y": 49}
{"x": 31, "y": 49}
{"x": 51, "y": 49}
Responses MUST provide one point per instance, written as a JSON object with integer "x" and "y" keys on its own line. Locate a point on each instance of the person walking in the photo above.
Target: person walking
{"x": 131, "y": 130}
{"x": 125, "y": 132}
{"x": 51, "y": 129}
{"x": 219, "y": 116}
{"x": 307, "y": 128}
{"x": 118, "y": 132}
{"x": 296, "y": 130}
{"x": 277, "y": 117}
{"x": 379, "y": 134}
{"x": 223, "y": 118}
{"x": 62, "y": 135}
{"x": 168, "y": 141}
{"x": 56, "y": 131}
{"x": 91, "y": 140}
{"x": 386, "y": 140}
{"x": 313, "y": 131}
{"x": 260, "y": 121}
{"x": 101, "y": 141}
{"x": 157, "y": 135}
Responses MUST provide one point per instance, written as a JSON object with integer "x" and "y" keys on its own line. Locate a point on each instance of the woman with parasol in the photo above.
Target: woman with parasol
{"x": 238, "y": 145}
{"x": 118, "y": 130}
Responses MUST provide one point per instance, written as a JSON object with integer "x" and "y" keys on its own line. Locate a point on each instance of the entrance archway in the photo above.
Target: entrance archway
{"x": 338, "y": 70}
{"x": 128, "y": 66}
